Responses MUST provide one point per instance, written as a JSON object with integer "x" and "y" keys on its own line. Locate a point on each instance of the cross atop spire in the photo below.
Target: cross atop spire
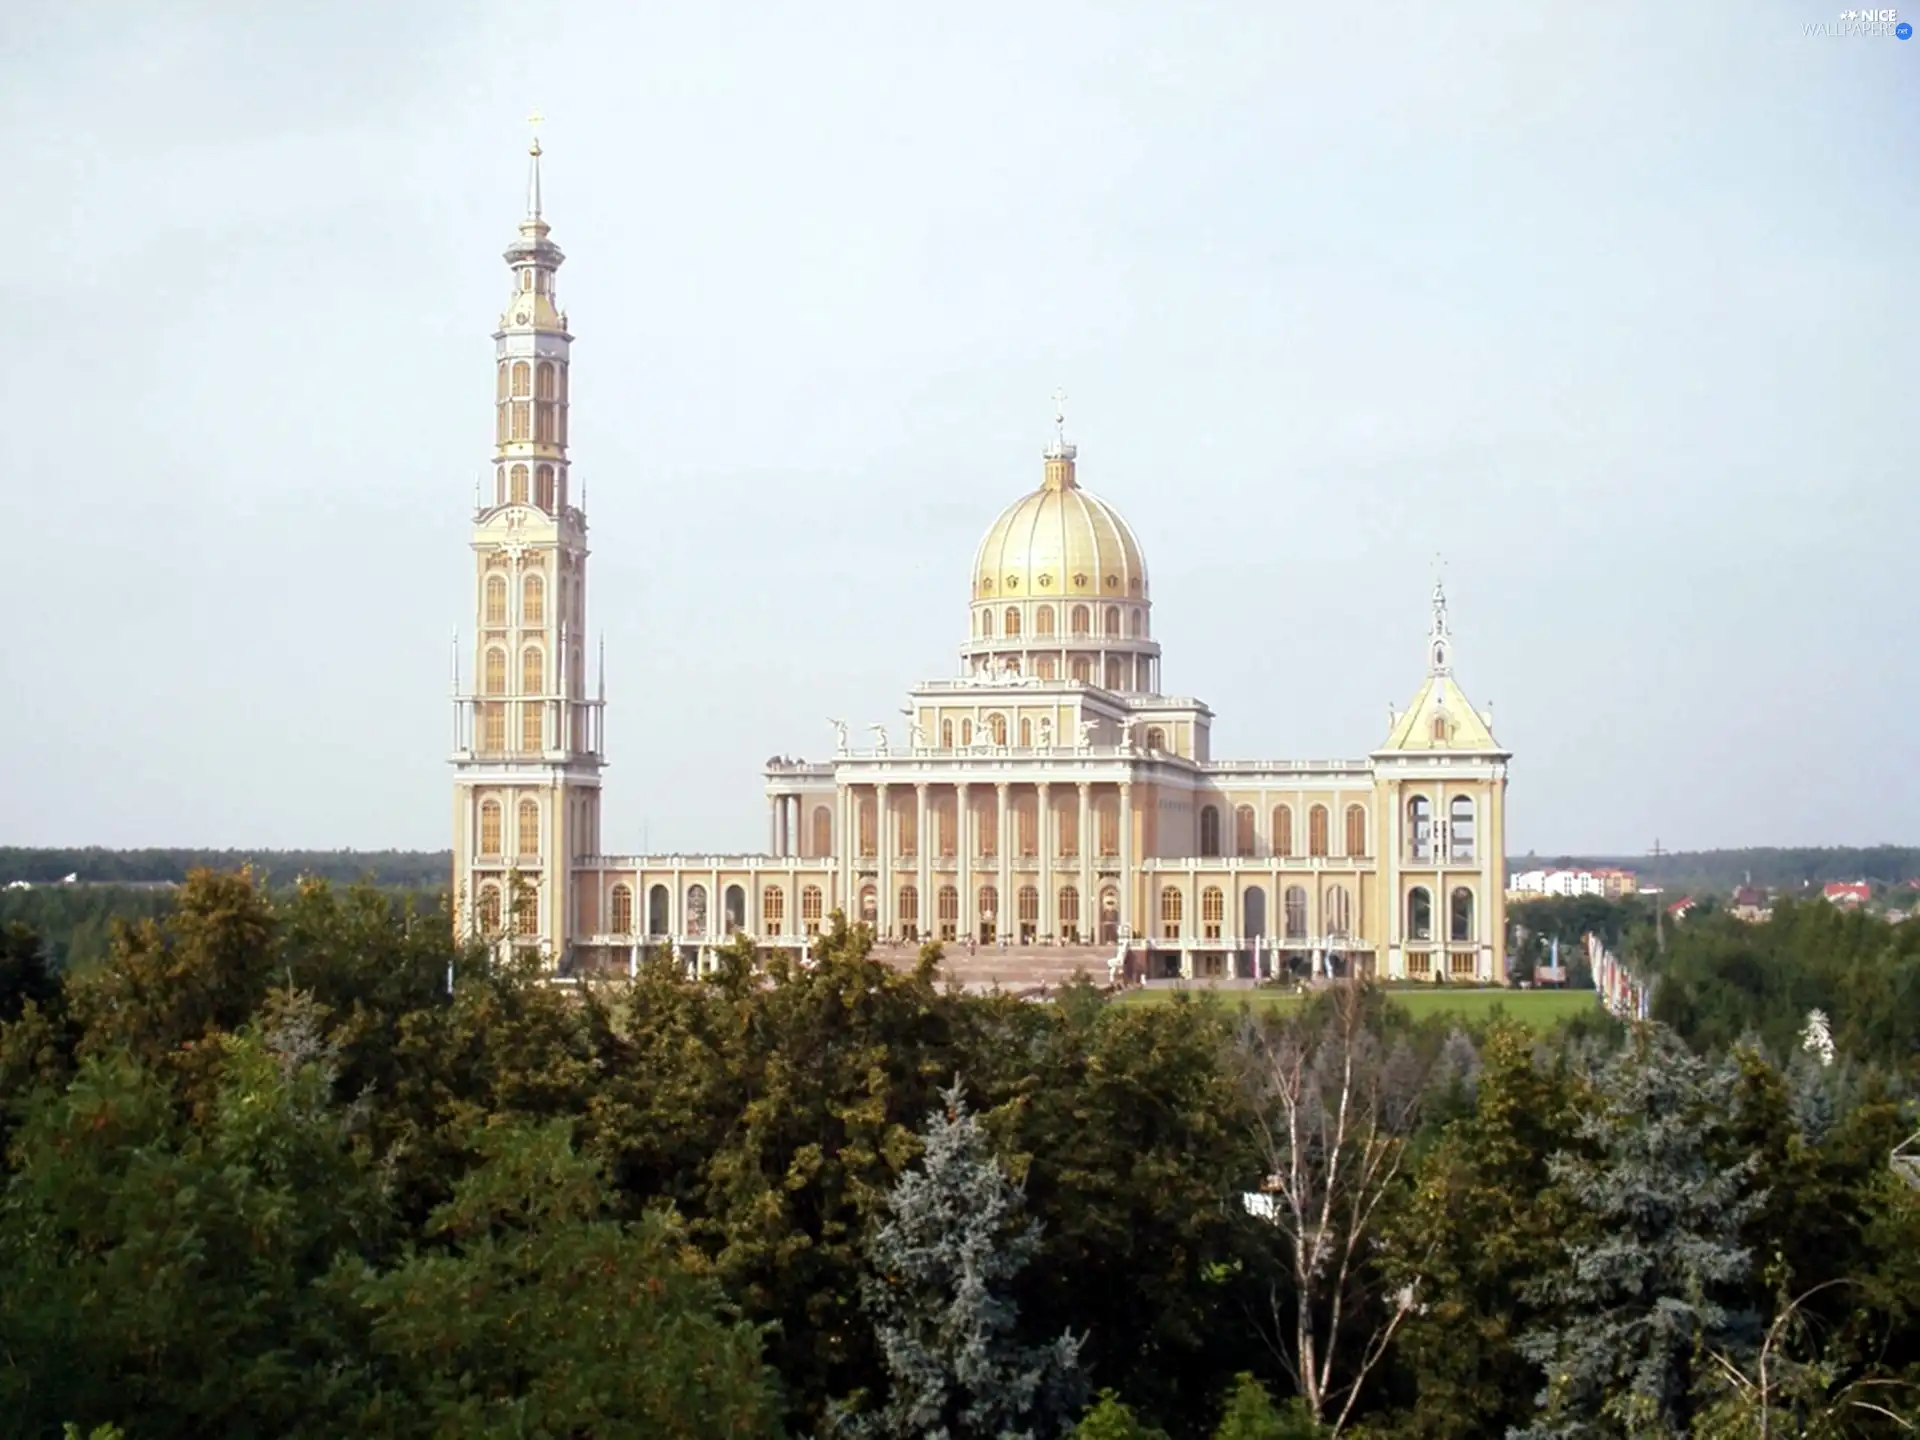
{"x": 1060, "y": 450}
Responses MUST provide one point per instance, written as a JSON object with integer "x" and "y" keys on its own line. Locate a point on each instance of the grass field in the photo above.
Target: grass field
{"x": 1541, "y": 1009}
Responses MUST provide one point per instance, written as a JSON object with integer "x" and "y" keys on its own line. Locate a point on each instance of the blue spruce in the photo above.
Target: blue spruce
{"x": 940, "y": 1268}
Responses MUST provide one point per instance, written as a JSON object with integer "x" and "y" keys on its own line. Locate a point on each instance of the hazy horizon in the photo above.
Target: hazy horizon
{"x": 1614, "y": 309}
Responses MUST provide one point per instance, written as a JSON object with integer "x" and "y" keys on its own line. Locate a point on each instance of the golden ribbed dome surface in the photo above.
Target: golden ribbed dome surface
{"x": 1059, "y": 543}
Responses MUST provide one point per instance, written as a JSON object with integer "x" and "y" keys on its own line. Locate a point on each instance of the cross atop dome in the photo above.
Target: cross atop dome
{"x": 1059, "y": 455}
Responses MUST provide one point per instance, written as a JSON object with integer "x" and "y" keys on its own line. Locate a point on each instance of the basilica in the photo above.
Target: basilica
{"x": 1048, "y": 797}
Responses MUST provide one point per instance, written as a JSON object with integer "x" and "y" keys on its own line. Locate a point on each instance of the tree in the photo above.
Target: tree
{"x": 1336, "y": 1106}
{"x": 942, "y": 1262}
{"x": 1656, "y": 1249}
{"x": 1111, "y": 1419}
{"x": 1252, "y": 1415}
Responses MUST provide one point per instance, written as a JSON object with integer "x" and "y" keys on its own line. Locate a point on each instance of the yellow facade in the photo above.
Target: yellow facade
{"x": 1047, "y": 796}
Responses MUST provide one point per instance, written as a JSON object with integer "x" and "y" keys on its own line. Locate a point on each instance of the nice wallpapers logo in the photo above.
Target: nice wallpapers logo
{"x": 1863, "y": 24}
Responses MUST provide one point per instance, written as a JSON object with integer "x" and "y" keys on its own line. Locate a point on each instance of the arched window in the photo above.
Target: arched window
{"x": 1069, "y": 908}
{"x": 1209, "y": 830}
{"x": 734, "y": 910}
{"x": 864, "y": 812}
{"x": 1243, "y": 830}
{"x": 489, "y": 910}
{"x": 989, "y": 911}
{"x": 1460, "y": 829}
{"x": 517, "y": 421}
{"x": 500, "y": 392}
{"x": 1112, "y": 618}
{"x": 966, "y": 733}
{"x": 532, "y": 671}
{"x": 946, "y": 734}
{"x": 1136, "y": 623}
{"x": 1253, "y": 908}
{"x": 1156, "y": 738}
{"x": 526, "y": 911}
{"x": 1420, "y": 828}
{"x": 496, "y": 672}
{"x": 518, "y": 490}
{"x": 1043, "y": 620}
{"x": 822, "y": 832}
{"x": 810, "y": 901}
{"x": 658, "y": 919}
{"x": 1356, "y": 830}
{"x": 1317, "y": 830}
{"x": 533, "y": 601}
{"x": 986, "y": 624}
{"x": 526, "y": 836}
{"x": 1043, "y": 667}
{"x": 489, "y": 827}
{"x": 545, "y": 390}
{"x": 998, "y": 726}
{"x": 1169, "y": 913}
{"x": 949, "y": 912}
{"x": 1013, "y": 621}
{"x": 1082, "y": 669}
{"x": 1283, "y": 830}
{"x": 869, "y": 905}
{"x": 1213, "y": 909}
{"x": 1339, "y": 911}
{"x": 1026, "y": 733}
{"x": 543, "y": 487}
{"x": 1109, "y": 919}
{"x": 1296, "y": 912}
{"x": 773, "y": 910}
{"x": 1081, "y": 621}
{"x": 620, "y": 920}
{"x": 1439, "y": 729}
{"x": 493, "y": 728}
{"x": 1419, "y": 913}
{"x": 496, "y": 610}
{"x": 1028, "y": 901}
{"x": 1460, "y": 915}
{"x": 522, "y": 377}
{"x": 909, "y": 913}
{"x": 696, "y": 910}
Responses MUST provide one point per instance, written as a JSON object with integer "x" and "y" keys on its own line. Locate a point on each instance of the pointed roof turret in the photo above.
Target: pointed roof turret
{"x": 1440, "y": 717}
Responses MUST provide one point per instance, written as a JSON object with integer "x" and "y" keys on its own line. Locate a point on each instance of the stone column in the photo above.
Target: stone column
{"x": 1089, "y": 907}
{"x": 969, "y": 923}
{"x": 1004, "y": 858}
{"x": 1128, "y": 880}
{"x": 923, "y": 842}
{"x": 883, "y": 858}
{"x": 1043, "y": 841}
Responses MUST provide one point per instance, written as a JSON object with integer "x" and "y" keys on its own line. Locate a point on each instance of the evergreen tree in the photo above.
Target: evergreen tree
{"x": 1655, "y": 1249}
{"x": 942, "y": 1263}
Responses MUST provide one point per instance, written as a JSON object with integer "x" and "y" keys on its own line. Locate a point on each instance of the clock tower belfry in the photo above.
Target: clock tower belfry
{"x": 527, "y": 738}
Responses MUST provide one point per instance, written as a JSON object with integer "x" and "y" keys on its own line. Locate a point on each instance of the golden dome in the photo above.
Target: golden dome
{"x": 1059, "y": 543}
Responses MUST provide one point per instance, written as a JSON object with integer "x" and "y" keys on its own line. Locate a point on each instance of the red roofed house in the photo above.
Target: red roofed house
{"x": 1848, "y": 892}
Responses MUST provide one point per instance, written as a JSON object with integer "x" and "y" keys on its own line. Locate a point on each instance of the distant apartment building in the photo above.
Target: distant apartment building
{"x": 1609, "y": 883}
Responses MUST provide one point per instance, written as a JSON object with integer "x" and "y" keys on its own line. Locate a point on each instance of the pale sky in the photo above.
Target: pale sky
{"x": 1615, "y": 305}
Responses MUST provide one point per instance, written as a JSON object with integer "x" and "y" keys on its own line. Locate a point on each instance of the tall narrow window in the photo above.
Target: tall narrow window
{"x": 1170, "y": 907}
{"x": 533, "y": 729}
{"x": 1283, "y": 830}
{"x": 527, "y": 828}
{"x": 1013, "y": 621}
{"x": 543, "y": 488}
{"x": 1460, "y": 829}
{"x": 810, "y": 907}
{"x": 500, "y": 391}
{"x": 544, "y": 429}
{"x": 1113, "y": 620}
{"x": 493, "y": 728}
{"x": 1109, "y": 827}
{"x": 522, "y": 379}
{"x": 517, "y": 488}
{"x": 733, "y": 910}
{"x": 1209, "y": 830}
{"x": 946, "y": 734}
{"x": 1339, "y": 911}
{"x": 998, "y": 725}
{"x": 949, "y": 912}
{"x": 1317, "y": 830}
{"x": 1156, "y": 738}
{"x": 496, "y": 603}
{"x": 1069, "y": 904}
{"x": 1243, "y": 830}
{"x": 1082, "y": 620}
{"x": 1026, "y": 825}
{"x": 1026, "y": 733}
{"x": 489, "y": 910}
{"x": 532, "y": 671}
{"x": 986, "y": 624}
{"x": 1296, "y": 912}
{"x": 518, "y": 422}
{"x": 869, "y": 905}
{"x": 822, "y": 832}
{"x": 773, "y": 910}
{"x": 1439, "y": 729}
{"x": 1420, "y": 829}
{"x": 988, "y": 912}
{"x": 533, "y": 601}
{"x": 659, "y": 906}
{"x": 1043, "y": 620}
{"x": 490, "y": 827}
{"x": 1116, "y": 677}
{"x": 496, "y": 671}
{"x": 1028, "y": 901}
{"x": 1356, "y": 830}
{"x": 620, "y": 920}
{"x": 1136, "y": 623}
{"x": 1213, "y": 909}
{"x": 864, "y": 806}
{"x": 1081, "y": 669}
{"x": 545, "y": 390}
{"x": 1044, "y": 667}
{"x": 1419, "y": 913}
{"x": 526, "y": 911}
{"x": 1460, "y": 921}
{"x": 909, "y": 912}
{"x": 696, "y": 910}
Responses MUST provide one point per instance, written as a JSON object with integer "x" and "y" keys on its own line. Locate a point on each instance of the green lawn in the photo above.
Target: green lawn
{"x": 1538, "y": 1008}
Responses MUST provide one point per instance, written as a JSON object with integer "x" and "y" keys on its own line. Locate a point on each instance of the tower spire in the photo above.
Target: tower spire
{"x": 535, "y": 120}
{"x": 1439, "y": 638}
{"x": 1059, "y": 454}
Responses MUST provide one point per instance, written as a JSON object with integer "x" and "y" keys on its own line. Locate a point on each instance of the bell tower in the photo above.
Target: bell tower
{"x": 527, "y": 750}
